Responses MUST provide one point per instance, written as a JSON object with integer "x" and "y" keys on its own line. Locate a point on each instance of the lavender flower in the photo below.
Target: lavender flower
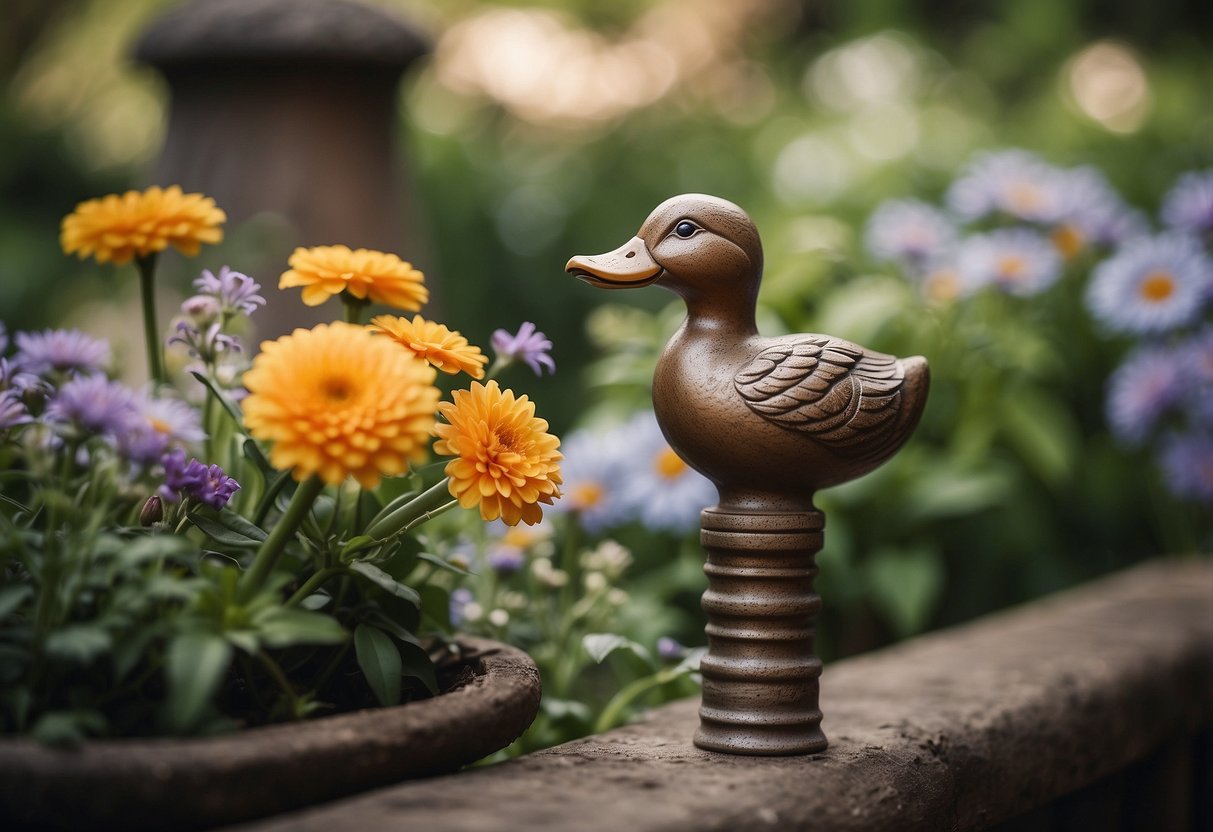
{"x": 505, "y": 559}
{"x": 201, "y": 310}
{"x": 12, "y": 377}
{"x": 1188, "y": 206}
{"x": 1092, "y": 213}
{"x": 60, "y": 350}
{"x": 1187, "y": 464}
{"x": 594, "y": 470}
{"x": 235, "y": 292}
{"x": 1017, "y": 260}
{"x": 94, "y": 405}
{"x": 1012, "y": 182}
{"x": 529, "y": 345}
{"x": 1141, "y": 391}
{"x": 670, "y": 649}
{"x": 1195, "y": 358}
{"x": 12, "y": 411}
{"x": 908, "y": 232}
{"x": 1153, "y": 285}
{"x": 463, "y": 607}
{"x": 662, "y": 490}
{"x": 165, "y": 422}
{"x": 206, "y": 484}
{"x": 207, "y": 344}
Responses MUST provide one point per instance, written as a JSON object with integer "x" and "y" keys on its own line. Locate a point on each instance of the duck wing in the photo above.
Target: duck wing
{"x": 837, "y": 392}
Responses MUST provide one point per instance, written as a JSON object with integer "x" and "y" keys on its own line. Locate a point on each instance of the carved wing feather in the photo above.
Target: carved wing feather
{"x": 829, "y": 389}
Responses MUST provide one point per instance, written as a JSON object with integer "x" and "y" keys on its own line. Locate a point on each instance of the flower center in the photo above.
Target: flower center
{"x": 1067, "y": 239}
{"x": 669, "y": 464}
{"x": 942, "y": 286}
{"x": 336, "y": 389}
{"x": 1024, "y": 197}
{"x": 586, "y": 495}
{"x": 160, "y": 426}
{"x": 1157, "y": 287}
{"x": 1011, "y": 267}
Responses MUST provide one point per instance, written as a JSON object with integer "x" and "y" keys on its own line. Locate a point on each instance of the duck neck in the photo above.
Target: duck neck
{"x": 718, "y": 314}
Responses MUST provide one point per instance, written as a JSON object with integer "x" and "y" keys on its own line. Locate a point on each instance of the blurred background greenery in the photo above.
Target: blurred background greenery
{"x": 543, "y": 129}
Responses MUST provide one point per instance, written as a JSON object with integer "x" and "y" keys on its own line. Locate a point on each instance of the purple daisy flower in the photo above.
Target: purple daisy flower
{"x": 12, "y": 411}
{"x": 201, "y": 310}
{"x": 461, "y": 599}
{"x": 1195, "y": 357}
{"x": 594, "y": 471}
{"x": 206, "y": 484}
{"x": 1141, "y": 390}
{"x": 1188, "y": 206}
{"x": 1151, "y": 286}
{"x": 1017, "y": 260}
{"x": 1092, "y": 213}
{"x": 61, "y": 350}
{"x": 206, "y": 344}
{"x": 166, "y": 422}
{"x": 1012, "y": 182}
{"x": 1187, "y": 464}
{"x": 95, "y": 405}
{"x": 908, "y": 232}
{"x": 236, "y": 292}
{"x": 662, "y": 490}
{"x": 529, "y": 345}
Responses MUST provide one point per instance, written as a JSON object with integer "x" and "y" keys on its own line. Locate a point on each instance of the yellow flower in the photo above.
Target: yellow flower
{"x": 506, "y": 462}
{"x": 337, "y": 402}
{"x": 448, "y": 351}
{"x": 119, "y": 228}
{"x": 325, "y": 271}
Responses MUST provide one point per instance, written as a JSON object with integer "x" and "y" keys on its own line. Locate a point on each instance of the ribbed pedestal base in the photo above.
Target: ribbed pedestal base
{"x": 760, "y": 677}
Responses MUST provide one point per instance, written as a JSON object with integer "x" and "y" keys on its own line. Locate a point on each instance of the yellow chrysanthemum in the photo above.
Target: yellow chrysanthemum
{"x": 338, "y": 402}
{"x": 447, "y": 350}
{"x": 324, "y": 271}
{"x": 136, "y": 224}
{"x": 506, "y": 461}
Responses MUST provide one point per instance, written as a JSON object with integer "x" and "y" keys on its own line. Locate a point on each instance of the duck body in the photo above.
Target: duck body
{"x": 768, "y": 420}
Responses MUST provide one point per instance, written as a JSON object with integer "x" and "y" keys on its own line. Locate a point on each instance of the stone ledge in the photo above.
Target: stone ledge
{"x": 958, "y": 730}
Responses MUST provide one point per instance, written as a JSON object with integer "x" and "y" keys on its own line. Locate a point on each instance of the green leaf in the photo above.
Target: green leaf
{"x": 905, "y": 584}
{"x": 12, "y": 597}
{"x": 443, "y": 564}
{"x": 135, "y": 553}
{"x": 282, "y": 627}
{"x": 67, "y": 729}
{"x": 391, "y": 627}
{"x": 560, "y": 709}
{"x": 949, "y": 492}
{"x": 357, "y": 544}
{"x": 436, "y": 605}
{"x": 228, "y": 527}
{"x": 255, "y": 455}
{"x": 380, "y": 663}
{"x": 601, "y": 645}
{"x": 194, "y": 668}
{"x": 385, "y": 581}
{"x": 415, "y": 662}
{"x": 80, "y": 643}
{"x": 1043, "y": 432}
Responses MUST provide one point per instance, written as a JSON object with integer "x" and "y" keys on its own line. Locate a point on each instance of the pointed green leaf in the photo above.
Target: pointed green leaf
{"x": 417, "y": 663}
{"x": 80, "y": 643}
{"x": 283, "y": 627}
{"x": 195, "y": 667}
{"x": 601, "y": 645}
{"x": 443, "y": 564}
{"x": 380, "y": 663}
{"x": 385, "y": 581}
{"x": 228, "y": 527}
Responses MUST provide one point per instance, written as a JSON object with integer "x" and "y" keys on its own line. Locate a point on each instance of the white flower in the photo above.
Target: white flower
{"x": 1016, "y": 260}
{"x": 1153, "y": 285}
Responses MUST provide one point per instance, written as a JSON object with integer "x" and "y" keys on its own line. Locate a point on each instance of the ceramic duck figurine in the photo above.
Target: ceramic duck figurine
{"x": 769, "y": 421}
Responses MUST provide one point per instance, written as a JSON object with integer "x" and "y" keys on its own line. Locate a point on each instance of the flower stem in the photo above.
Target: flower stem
{"x": 147, "y": 289}
{"x": 271, "y": 548}
{"x": 313, "y": 583}
{"x": 429, "y": 503}
{"x": 353, "y": 309}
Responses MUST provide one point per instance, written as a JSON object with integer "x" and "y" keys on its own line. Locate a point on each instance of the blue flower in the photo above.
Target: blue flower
{"x": 1141, "y": 391}
{"x": 234, "y": 291}
{"x": 1153, "y": 285}
{"x": 1188, "y": 206}
{"x": 1187, "y": 464}
{"x": 94, "y": 405}
{"x": 662, "y": 490}
{"x": 1092, "y": 213}
{"x": 908, "y": 232}
{"x": 60, "y": 350}
{"x": 462, "y": 602}
{"x": 1016, "y": 183}
{"x": 593, "y": 470}
{"x": 1016, "y": 260}
{"x": 529, "y": 345}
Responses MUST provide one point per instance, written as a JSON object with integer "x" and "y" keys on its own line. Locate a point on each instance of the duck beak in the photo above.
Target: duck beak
{"x": 626, "y": 267}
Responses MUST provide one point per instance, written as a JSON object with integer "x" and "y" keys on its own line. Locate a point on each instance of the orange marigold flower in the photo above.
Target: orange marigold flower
{"x": 506, "y": 461}
{"x": 447, "y": 350}
{"x": 337, "y": 402}
{"x": 324, "y": 271}
{"x": 136, "y": 224}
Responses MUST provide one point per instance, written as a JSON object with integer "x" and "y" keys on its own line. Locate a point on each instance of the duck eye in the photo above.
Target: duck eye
{"x": 685, "y": 229}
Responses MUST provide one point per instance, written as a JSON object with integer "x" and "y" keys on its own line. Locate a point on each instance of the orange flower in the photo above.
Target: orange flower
{"x": 119, "y": 228}
{"x": 448, "y": 351}
{"x": 325, "y": 271}
{"x": 337, "y": 402}
{"x": 507, "y": 462}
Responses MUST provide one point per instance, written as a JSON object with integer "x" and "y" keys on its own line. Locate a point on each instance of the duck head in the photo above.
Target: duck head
{"x": 697, "y": 246}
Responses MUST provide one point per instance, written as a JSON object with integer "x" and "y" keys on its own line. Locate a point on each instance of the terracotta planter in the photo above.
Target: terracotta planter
{"x": 197, "y": 783}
